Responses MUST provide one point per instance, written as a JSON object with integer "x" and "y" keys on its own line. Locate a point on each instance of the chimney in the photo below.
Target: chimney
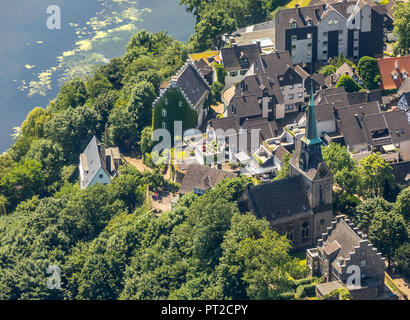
{"x": 265, "y": 107}
{"x": 258, "y": 42}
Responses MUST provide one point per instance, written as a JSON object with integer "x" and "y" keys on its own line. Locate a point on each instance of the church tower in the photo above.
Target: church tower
{"x": 307, "y": 161}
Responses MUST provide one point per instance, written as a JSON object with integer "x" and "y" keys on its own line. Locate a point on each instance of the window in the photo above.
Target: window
{"x": 300, "y": 85}
{"x": 395, "y": 77}
{"x": 233, "y": 73}
{"x": 281, "y": 88}
{"x": 325, "y": 34}
{"x": 405, "y": 75}
{"x": 325, "y": 43}
{"x": 310, "y": 23}
{"x": 164, "y": 112}
{"x": 291, "y": 86}
{"x": 166, "y": 101}
{"x": 294, "y": 37}
{"x": 294, "y": 46}
{"x": 289, "y": 107}
{"x": 354, "y": 21}
{"x": 340, "y": 32}
{"x": 280, "y": 78}
{"x": 305, "y": 230}
{"x": 309, "y": 44}
{"x": 324, "y": 51}
{"x": 101, "y": 176}
{"x": 363, "y": 263}
{"x": 164, "y": 125}
{"x": 308, "y": 54}
{"x": 336, "y": 21}
{"x": 321, "y": 195}
{"x": 330, "y": 21}
{"x": 243, "y": 72}
{"x": 300, "y": 95}
{"x": 291, "y": 96}
{"x": 294, "y": 25}
{"x": 290, "y": 233}
{"x": 309, "y": 36}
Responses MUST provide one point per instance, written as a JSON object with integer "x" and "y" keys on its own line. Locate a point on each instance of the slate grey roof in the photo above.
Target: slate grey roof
{"x": 231, "y": 56}
{"x": 225, "y": 123}
{"x": 299, "y": 15}
{"x": 204, "y": 68}
{"x": 278, "y": 199}
{"x": 351, "y": 126}
{"x": 324, "y": 112}
{"x": 92, "y": 160}
{"x": 192, "y": 84}
{"x": 405, "y": 87}
{"x": 280, "y": 152}
{"x": 401, "y": 172}
{"x": 258, "y": 27}
{"x": 202, "y": 177}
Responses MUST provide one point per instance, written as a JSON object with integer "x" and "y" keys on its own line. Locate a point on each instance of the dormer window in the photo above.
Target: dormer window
{"x": 405, "y": 75}
{"x": 395, "y": 76}
{"x": 164, "y": 112}
{"x": 310, "y": 23}
{"x": 294, "y": 25}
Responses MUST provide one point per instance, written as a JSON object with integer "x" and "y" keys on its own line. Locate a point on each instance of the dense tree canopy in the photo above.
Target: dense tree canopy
{"x": 401, "y": 15}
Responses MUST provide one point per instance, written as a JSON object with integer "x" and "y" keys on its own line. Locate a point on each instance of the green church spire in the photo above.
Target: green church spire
{"x": 311, "y": 137}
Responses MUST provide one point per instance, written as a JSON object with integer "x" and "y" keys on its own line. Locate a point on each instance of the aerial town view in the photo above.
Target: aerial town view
{"x": 210, "y": 150}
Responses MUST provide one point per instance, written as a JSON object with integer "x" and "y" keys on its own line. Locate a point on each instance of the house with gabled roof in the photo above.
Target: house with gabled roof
{"x": 199, "y": 179}
{"x": 98, "y": 164}
{"x": 326, "y": 29}
{"x": 393, "y": 72}
{"x": 341, "y": 251}
{"x": 183, "y": 99}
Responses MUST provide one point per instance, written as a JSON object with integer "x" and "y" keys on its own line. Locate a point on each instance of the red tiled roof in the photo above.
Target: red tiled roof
{"x": 387, "y": 67}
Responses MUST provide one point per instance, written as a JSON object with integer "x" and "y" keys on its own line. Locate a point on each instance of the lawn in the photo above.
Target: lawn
{"x": 301, "y": 255}
{"x": 301, "y": 3}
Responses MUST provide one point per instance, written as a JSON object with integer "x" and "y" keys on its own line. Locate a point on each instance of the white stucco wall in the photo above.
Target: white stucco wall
{"x": 324, "y": 26}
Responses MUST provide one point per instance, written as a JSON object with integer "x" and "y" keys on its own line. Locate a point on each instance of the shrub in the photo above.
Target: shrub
{"x": 286, "y": 296}
{"x": 306, "y": 291}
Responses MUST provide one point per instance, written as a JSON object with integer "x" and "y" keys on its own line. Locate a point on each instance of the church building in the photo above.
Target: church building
{"x": 299, "y": 206}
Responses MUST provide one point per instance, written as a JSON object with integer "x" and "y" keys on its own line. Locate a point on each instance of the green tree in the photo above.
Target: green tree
{"x": 402, "y": 205}
{"x": 22, "y": 182}
{"x": 50, "y": 156}
{"x": 369, "y": 72}
{"x": 72, "y": 129}
{"x": 401, "y": 15}
{"x": 209, "y": 30}
{"x": 285, "y": 170}
{"x": 402, "y": 259}
{"x": 366, "y": 211}
{"x": 269, "y": 268}
{"x": 327, "y": 70}
{"x": 121, "y": 128}
{"x": 387, "y": 232}
{"x": 348, "y": 83}
{"x": 140, "y": 104}
{"x": 375, "y": 174}
{"x": 146, "y": 144}
{"x": 72, "y": 94}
